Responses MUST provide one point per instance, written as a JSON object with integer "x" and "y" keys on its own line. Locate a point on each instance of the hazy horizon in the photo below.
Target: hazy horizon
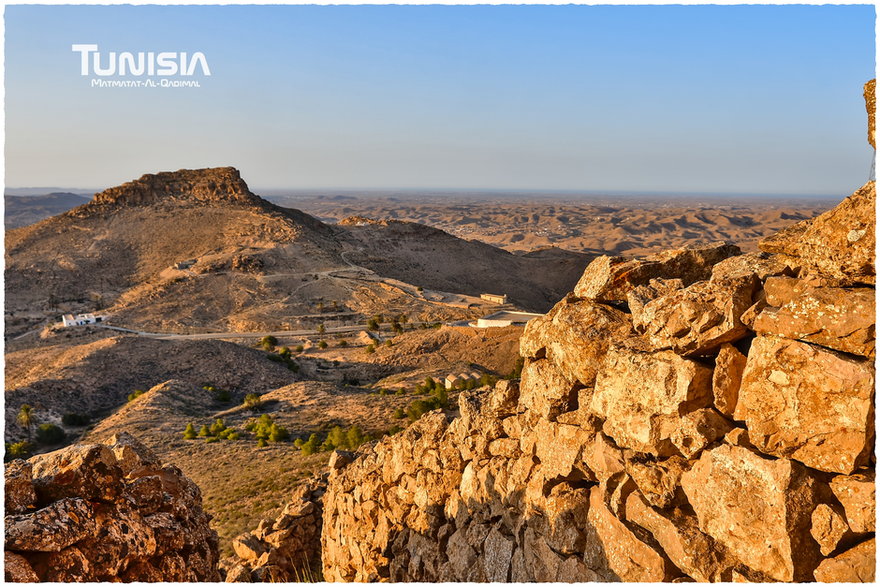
{"x": 659, "y": 99}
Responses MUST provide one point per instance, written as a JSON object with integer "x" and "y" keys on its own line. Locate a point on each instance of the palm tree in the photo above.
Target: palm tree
{"x": 26, "y": 418}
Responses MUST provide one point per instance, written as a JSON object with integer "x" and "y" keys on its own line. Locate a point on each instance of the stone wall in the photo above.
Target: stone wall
{"x": 699, "y": 415}
{"x": 105, "y": 512}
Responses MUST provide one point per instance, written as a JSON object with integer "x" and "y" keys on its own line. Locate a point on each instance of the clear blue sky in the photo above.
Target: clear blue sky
{"x": 741, "y": 99}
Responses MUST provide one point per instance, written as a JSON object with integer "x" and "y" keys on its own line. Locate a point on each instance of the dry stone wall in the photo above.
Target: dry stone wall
{"x": 700, "y": 415}
{"x": 105, "y": 512}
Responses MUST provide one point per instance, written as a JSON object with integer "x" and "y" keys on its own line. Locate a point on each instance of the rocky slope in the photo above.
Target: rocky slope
{"x": 105, "y": 513}
{"x": 700, "y": 415}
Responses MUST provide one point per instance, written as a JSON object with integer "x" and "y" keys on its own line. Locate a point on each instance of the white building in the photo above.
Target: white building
{"x": 80, "y": 319}
{"x": 502, "y": 319}
{"x": 494, "y": 298}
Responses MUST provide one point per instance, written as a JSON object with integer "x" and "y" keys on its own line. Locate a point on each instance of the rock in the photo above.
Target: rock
{"x": 727, "y": 378}
{"x": 856, "y": 493}
{"x": 837, "y": 318}
{"x": 20, "y": 494}
{"x": 339, "y": 459}
{"x": 89, "y": 471}
{"x": 698, "y": 319}
{"x": 545, "y": 390}
{"x": 678, "y": 534}
{"x": 856, "y": 565}
{"x": 658, "y": 481}
{"x": 52, "y": 528}
{"x": 603, "y": 457}
{"x": 16, "y": 569}
{"x": 808, "y": 403}
{"x": 871, "y": 107}
{"x": 628, "y": 557}
{"x": 642, "y": 396}
{"x": 132, "y": 455}
{"x": 97, "y": 524}
{"x": 610, "y": 279}
{"x": 829, "y": 528}
{"x": 248, "y": 547}
{"x": 838, "y": 244}
{"x": 497, "y": 556}
{"x": 759, "y": 509}
{"x": 574, "y": 336}
{"x": 759, "y": 265}
{"x": 639, "y": 297}
{"x": 698, "y": 429}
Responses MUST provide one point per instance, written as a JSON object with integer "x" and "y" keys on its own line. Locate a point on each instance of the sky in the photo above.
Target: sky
{"x": 690, "y": 99}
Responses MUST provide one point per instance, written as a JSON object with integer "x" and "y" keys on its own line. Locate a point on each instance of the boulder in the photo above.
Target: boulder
{"x": 856, "y": 494}
{"x": 727, "y": 378}
{"x": 574, "y": 336}
{"x": 698, "y": 429}
{"x": 838, "y": 244}
{"x": 829, "y": 528}
{"x": 641, "y": 397}
{"x": 89, "y": 471}
{"x": 838, "y": 318}
{"x": 545, "y": 390}
{"x": 20, "y": 495}
{"x": 17, "y": 569}
{"x": 698, "y": 319}
{"x": 52, "y": 528}
{"x": 630, "y": 558}
{"x": 760, "y": 509}
{"x": 679, "y": 535}
{"x": 808, "y": 403}
{"x": 856, "y": 565}
{"x": 658, "y": 480}
{"x": 610, "y": 279}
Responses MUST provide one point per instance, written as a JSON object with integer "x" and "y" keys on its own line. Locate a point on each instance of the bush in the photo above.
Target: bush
{"x": 18, "y": 450}
{"x": 211, "y": 439}
{"x": 399, "y": 413}
{"x": 343, "y": 343}
{"x": 190, "y": 432}
{"x": 75, "y": 420}
{"x": 49, "y": 434}
{"x": 278, "y": 433}
{"x": 220, "y": 395}
{"x": 389, "y": 342}
{"x": 400, "y": 391}
{"x": 321, "y": 329}
{"x": 136, "y": 394}
{"x": 372, "y": 324}
{"x": 284, "y": 352}
{"x": 299, "y": 348}
{"x": 204, "y": 430}
{"x": 217, "y": 427}
{"x": 264, "y": 428}
{"x": 370, "y": 349}
{"x": 261, "y": 442}
{"x": 233, "y": 436}
{"x": 310, "y": 447}
{"x": 393, "y": 430}
{"x": 322, "y": 345}
{"x": 253, "y": 402}
{"x": 268, "y": 342}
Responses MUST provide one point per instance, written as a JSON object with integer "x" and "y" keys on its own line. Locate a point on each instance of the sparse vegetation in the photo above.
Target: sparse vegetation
{"x": 285, "y": 360}
{"x": 135, "y": 394}
{"x": 190, "y": 432}
{"x": 343, "y": 343}
{"x": 26, "y": 417}
{"x": 321, "y": 328}
{"x": 253, "y": 402}
{"x": 264, "y": 428}
{"x": 50, "y": 434}
{"x": 298, "y": 348}
{"x": 399, "y": 413}
{"x": 18, "y": 450}
{"x": 370, "y": 349}
{"x": 372, "y": 324}
{"x": 220, "y": 395}
{"x": 268, "y": 342}
{"x": 75, "y": 420}
{"x": 322, "y": 344}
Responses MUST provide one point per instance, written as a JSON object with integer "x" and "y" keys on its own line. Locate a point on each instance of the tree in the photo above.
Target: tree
{"x": 335, "y": 439}
{"x": 204, "y": 430}
{"x": 311, "y": 446}
{"x": 217, "y": 427}
{"x": 372, "y": 324}
{"x": 321, "y": 328}
{"x": 18, "y": 450}
{"x": 190, "y": 432}
{"x": 354, "y": 437}
{"x": 26, "y": 417}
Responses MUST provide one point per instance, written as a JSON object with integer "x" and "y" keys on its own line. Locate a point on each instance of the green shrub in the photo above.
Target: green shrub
{"x": 268, "y": 342}
{"x": 264, "y": 428}
{"x": 49, "y": 434}
{"x": 389, "y": 342}
{"x": 299, "y": 348}
{"x": 311, "y": 446}
{"x": 343, "y": 343}
{"x": 322, "y": 345}
{"x": 321, "y": 329}
{"x": 136, "y": 394}
{"x": 399, "y": 413}
{"x": 18, "y": 450}
{"x": 372, "y": 324}
{"x": 253, "y": 402}
{"x": 284, "y": 352}
{"x": 190, "y": 432}
{"x": 217, "y": 427}
{"x": 400, "y": 391}
{"x": 261, "y": 442}
{"x": 393, "y": 430}
{"x": 211, "y": 439}
{"x": 75, "y": 420}
{"x": 370, "y": 349}
{"x": 278, "y": 433}
{"x": 354, "y": 437}
{"x": 383, "y": 391}
{"x": 204, "y": 431}
{"x": 220, "y": 395}
{"x": 233, "y": 436}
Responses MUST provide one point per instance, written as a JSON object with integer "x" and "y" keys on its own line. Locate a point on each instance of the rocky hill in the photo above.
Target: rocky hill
{"x": 24, "y": 210}
{"x": 105, "y": 513}
{"x": 196, "y": 250}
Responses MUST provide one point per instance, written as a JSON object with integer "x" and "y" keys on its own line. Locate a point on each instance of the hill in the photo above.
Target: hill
{"x": 24, "y": 210}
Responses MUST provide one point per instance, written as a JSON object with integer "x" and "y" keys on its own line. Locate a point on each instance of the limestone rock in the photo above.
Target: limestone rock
{"x": 17, "y": 569}
{"x": 808, "y": 403}
{"x": 575, "y": 335}
{"x": 829, "y": 528}
{"x": 610, "y": 279}
{"x": 837, "y": 318}
{"x": 698, "y": 319}
{"x": 838, "y": 244}
{"x": 856, "y": 493}
{"x": 759, "y": 509}
{"x": 545, "y": 390}
{"x": 95, "y": 523}
{"x": 642, "y": 396}
{"x": 20, "y": 494}
{"x": 628, "y": 557}
{"x": 678, "y": 534}
{"x": 727, "y": 378}
{"x": 871, "y": 106}
{"x": 760, "y": 265}
{"x": 856, "y": 565}
{"x": 698, "y": 429}
{"x": 658, "y": 480}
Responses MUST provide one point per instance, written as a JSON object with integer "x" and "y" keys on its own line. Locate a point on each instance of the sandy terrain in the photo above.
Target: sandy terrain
{"x": 626, "y": 225}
